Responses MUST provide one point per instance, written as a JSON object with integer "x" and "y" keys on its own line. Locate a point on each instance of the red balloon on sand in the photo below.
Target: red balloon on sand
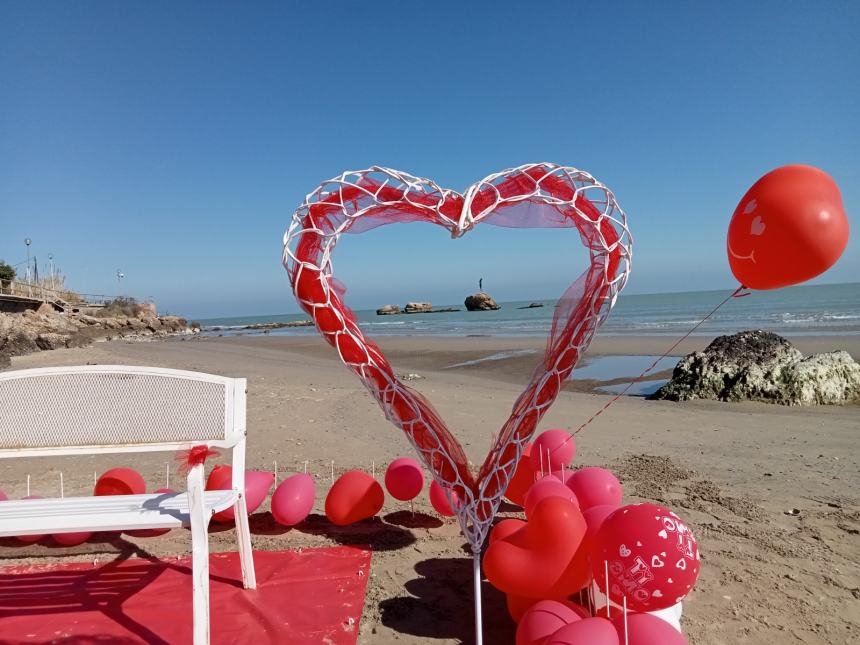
{"x": 543, "y": 619}
{"x": 30, "y": 539}
{"x": 404, "y": 479}
{"x": 595, "y": 487}
{"x": 120, "y": 481}
{"x": 646, "y": 629}
{"x": 590, "y": 631}
{"x": 439, "y": 499}
{"x": 549, "y": 486}
{"x": 293, "y": 499}
{"x": 355, "y": 496}
{"x": 649, "y": 554}
{"x": 148, "y": 533}
{"x": 522, "y": 479}
{"x": 788, "y": 228}
{"x": 257, "y": 485}
{"x": 552, "y": 452}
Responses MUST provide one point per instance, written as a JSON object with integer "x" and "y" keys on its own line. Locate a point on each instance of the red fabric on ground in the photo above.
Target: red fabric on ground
{"x": 307, "y": 596}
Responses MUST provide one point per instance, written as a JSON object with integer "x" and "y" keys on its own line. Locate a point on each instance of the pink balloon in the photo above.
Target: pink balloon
{"x": 120, "y": 481}
{"x": 552, "y": 450}
{"x": 404, "y": 479}
{"x": 257, "y": 485}
{"x": 594, "y": 517}
{"x": 440, "y": 501}
{"x": 646, "y": 629}
{"x": 30, "y": 539}
{"x": 589, "y": 631}
{"x": 549, "y": 486}
{"x": 293, "y": 499}
{"x": 596, "y": 487}
{"x": 152, "y": 532}
{"x": 542, "y": 619}
{"x": 71, "y": 539}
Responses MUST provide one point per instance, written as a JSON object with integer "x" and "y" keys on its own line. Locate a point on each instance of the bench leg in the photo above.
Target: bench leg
{"x": 199, "y": 555}
{"x": 243, "y": 536}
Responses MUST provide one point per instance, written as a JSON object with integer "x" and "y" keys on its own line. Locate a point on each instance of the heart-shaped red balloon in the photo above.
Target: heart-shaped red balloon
{"x": 788, "y": 228}
{"x": 535, "y": 195}
{"x": 534, "y": 560}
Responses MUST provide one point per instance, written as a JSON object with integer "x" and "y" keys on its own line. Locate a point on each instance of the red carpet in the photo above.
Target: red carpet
{"x": 312, "y": 596}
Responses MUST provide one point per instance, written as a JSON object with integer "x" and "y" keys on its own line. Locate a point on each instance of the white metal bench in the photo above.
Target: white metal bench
{"x": 57, "y": 411}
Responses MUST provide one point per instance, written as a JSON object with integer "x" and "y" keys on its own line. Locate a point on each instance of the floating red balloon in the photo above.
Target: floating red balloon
{"x": 355, "y": 496}
{"x": 549, "y": 486}
{"x": 532, "y": 561}
{"x": 552, "y": 452}
{"x": 440, "y": 501}
{"x": 651, "y": 556}
{"x": 589, "y": 631}
{"x": 788, "y": 228}
{"x": 543, "y": 619}
{"x": 595, "y": 487}
{"x": 404, "y": 479}
{"x": 120, "y": 481}
{"x": 293, "y": 499}
{"x": 257, "y": 485}
{"x": 645, "y": 629}
{"x": 522, "y": 479}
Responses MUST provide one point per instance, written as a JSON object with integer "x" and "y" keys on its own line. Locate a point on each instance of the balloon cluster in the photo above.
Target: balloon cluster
{"x": 577, "y": 538}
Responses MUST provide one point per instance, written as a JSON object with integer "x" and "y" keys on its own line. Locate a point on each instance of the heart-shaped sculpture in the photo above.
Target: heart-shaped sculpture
{"x": 534, "y": 195}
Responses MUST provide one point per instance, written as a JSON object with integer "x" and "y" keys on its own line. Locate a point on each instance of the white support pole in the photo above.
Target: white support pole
{"x": 476, "y": 571}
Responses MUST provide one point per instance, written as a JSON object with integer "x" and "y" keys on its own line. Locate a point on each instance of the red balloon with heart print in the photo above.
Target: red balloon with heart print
{"x": 646, "y": 554}
{"x": 788, "y": 228}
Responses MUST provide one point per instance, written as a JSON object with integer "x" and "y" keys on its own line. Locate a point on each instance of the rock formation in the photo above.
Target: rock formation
{"x": 480, "y": 302}
{"x": 417, "y": 307}
{"x": 762, "y": 366}
{"x": 387, "y": 310}
{"x": 38, "y": 330}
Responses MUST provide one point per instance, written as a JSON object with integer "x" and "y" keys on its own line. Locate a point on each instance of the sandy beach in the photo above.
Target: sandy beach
{"x": 771, "y": 491}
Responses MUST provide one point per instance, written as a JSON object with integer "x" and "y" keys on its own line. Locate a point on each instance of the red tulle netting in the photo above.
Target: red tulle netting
{"x": 534, "y": 195}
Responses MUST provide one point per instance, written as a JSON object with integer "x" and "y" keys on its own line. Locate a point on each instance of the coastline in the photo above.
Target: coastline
{"x": 733, "y": 470}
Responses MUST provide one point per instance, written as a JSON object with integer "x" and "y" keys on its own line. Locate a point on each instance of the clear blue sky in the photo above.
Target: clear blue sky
{"x": 174, "y": 140}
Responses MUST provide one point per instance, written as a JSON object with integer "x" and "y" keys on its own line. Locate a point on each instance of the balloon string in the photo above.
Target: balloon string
{"x": 737, "y": 293}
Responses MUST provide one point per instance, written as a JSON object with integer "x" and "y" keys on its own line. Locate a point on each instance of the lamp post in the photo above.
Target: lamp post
{"x": 51, "y": 268}
{"x": 119, "y": 276}
{"x": 28, "y": 242}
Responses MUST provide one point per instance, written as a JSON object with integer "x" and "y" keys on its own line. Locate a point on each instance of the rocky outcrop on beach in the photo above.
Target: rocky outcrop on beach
{"x": 388, "y": 310}
{"x": 44, "y": 329}
{"x": 417, "y": 307}
{"x": 480, "y": 302}
{"x": 534, "y": 305}
{"x": 762, "y": 366}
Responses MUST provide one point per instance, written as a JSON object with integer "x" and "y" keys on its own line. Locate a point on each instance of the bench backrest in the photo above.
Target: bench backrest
{"x": 118, "y": 408}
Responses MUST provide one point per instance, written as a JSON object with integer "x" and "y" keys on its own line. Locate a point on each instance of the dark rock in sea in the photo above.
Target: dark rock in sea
{"x": 388, "y": 310}
{"x": 417, "y": 308}
{"x": 480, "y": 302}
{"x": 762, "y": 366}
{"x": 280, "y": 325}
{"x": 533, "y": 305}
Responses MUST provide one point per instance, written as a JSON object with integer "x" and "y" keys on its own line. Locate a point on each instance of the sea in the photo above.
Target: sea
{"x": 832, "y": 309}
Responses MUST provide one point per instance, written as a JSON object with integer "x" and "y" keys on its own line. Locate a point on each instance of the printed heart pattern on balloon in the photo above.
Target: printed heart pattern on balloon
{"x": 662, "y": 566}
{"x": 534, "y": 195}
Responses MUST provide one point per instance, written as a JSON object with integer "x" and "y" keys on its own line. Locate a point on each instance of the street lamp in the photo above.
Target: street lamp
{"x": 28, "y": 242}
{"x": 51, "y": 263}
